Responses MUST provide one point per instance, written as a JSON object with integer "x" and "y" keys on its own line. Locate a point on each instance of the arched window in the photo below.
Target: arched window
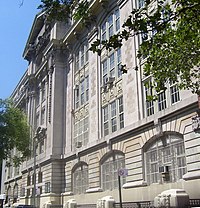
{"x": 165, "y": 159}
{"x": 80, "y": 178}
{"x": 110, "y": 165}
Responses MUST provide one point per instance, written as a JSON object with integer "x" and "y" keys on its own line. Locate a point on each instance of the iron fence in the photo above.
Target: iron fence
{"x": 143, "y": 204}
{"x": 194, "y": 202}
{"x": 140, "y": 204}
{"x": 86, "y": 205}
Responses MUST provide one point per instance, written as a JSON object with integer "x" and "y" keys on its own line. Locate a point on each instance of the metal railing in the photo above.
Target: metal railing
{"x": 140, "y": 204}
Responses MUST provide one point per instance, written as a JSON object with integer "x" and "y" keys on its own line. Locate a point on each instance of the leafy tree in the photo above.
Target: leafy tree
{"x": 171, "y": 42}
{"x": 14, "y": 133}
{"x": 171, "y": 38}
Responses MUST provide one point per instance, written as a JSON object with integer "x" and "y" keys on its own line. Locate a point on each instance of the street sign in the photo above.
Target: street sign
{"x": 123, "y": 172}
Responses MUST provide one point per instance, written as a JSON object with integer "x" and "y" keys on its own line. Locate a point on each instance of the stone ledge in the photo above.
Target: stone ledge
{"x": 134, "y": 184}
{"x": 92, "y": 190}
{"x": 69, "y": 193}
{"x": 192, "y": 175}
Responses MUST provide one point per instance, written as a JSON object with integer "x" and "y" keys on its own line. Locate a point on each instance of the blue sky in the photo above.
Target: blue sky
{"x": 15, "y": 22}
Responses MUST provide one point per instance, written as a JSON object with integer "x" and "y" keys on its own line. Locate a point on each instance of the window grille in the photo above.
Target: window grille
{"x": 81, "y": 129}
{"x": 168, "y": 151}
{"x": 113, "y": 116}
{"x": 109, "y": 171}
{"x": 80, "y": 179}
{"x": 47, "y": 187}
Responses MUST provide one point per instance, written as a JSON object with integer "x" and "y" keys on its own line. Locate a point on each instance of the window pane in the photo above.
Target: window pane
{"x": 110, "y": 25}
{"x": 113, "y": 109}
{"x": 82, "y": 55}
{"x": 82, "y": 92}
{"x": 149, "y": 104}
{"x": 87, "y": 88}
{"x": 114, "y": 124}
{"x": 77, "y": 61}
{"x": 119, "y": 62}
{"x": 86, "y": 52}
{"x": 103, "y": 31}
{"x": 141, "y": 3}
{"x": 104, "y": 71}
{"x": 174, "y": 91}
{"x": 117, "y": 20}
{"x": 162, "y": 104}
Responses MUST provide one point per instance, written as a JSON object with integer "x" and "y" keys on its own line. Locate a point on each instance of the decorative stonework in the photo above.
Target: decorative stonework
{"x": 76, "y": 78}
{"x": 86, "y": 70}
{"x": 86, "y": 109}
{"x": 76, "y": 116}
{"x": 81, "y": 113}
{"x": 104, "y": 98}
{"x": 111, "y": 91}
{"x": 81, "y": 73}
{"x": 119, "y": 87}
{"x": 196, "y": 122}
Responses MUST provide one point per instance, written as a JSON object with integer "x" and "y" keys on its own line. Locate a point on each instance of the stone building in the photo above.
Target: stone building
{"x": 88, "y": 120}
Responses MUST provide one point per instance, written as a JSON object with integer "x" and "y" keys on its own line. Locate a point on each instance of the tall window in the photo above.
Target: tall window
{"x": 165, "y": 155}
{"x": 111, "y": 25}
{"x": 80, "y": 179}
{"x": 174, "y": 92}
{"x": 43, "y": 91}
{"x": 81, "y": 56}
{"x": 82, "y": 92}
{"x": 148, "y": 94}
{"x": 162, "y": 102}
{"x": 43, "y": 116}
{"x": 164, "y": 99}
{"x": 37, "y": 119}
{"x": 111, "y": 66}
{"x": 37, "y": 96}
{"x": 113, "y": 116}
{"x": 81, "y": 132}
{"x": 141, "y": 3}
{"x": 47, "y": 187}
{"x": 109, "y": 170}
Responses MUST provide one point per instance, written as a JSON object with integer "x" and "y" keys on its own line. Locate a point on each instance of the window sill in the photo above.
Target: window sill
{"x": 134, "y": 184}
{"x": 69, "y": 193}
{"x": 92, "y": 190}
{"x": 191, "y": 175}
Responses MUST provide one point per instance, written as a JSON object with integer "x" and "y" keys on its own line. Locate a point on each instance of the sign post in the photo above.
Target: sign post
{"x": 121, "y": 172}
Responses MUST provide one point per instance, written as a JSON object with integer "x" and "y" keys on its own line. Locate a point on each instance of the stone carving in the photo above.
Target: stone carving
{"x": 196, "y": 122}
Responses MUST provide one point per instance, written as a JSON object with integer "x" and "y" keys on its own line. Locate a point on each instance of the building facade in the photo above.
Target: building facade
{"x": 88, "y": 120}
